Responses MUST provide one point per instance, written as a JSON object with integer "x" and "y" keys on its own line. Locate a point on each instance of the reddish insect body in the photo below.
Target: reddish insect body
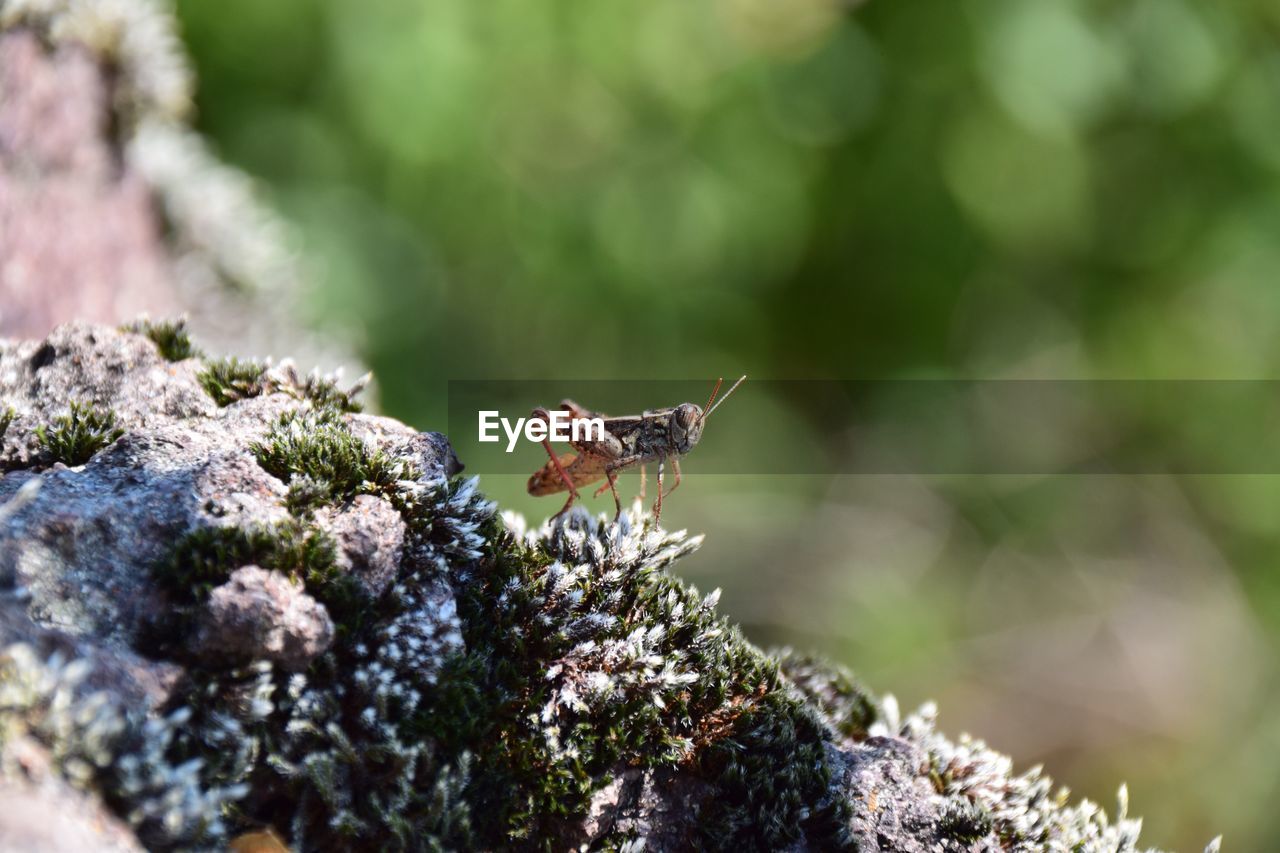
{"x": 657, "y": 435}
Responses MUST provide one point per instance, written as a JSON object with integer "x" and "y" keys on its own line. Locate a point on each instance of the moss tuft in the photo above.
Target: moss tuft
{"x": 964, "y": 821}
{"x": 596, "y": 660}
{"x": 317, "y": 450}
{"x": 205, "y": 558}
{"x": 75, "y": 437}
{"x": 345, "y": 755}
{"x": 7, "y": 414}
{"x": 324, "y": 393}
{"x": 229, "y": 380}
{"x": 170, "y": 337}
{"x": 768, "y": 773}
{"x": 842, "y": 703}
{"x": 97, "y": 745}
{"x": 306, "y": 495}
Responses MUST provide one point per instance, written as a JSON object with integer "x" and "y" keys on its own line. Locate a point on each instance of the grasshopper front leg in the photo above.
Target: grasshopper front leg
{"x": 675, "y": 466}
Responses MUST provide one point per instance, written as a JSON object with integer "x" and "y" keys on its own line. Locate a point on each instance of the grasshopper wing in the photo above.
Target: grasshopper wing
{"x": 583, "y": 469}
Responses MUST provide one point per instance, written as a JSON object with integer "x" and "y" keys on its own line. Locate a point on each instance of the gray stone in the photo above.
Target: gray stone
{"x": 660, "y": 806}
{"x": 123, "y": 373}
{"x": 370, "y": 537}
{"x": 431, "y": 451}
{"x": 83, "y": 547}
{"x": 139, "y": 682}
{"x": 262, "y": 615}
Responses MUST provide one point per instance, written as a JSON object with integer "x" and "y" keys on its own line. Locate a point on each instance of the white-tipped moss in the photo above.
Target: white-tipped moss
{"x": 98, "y": 746}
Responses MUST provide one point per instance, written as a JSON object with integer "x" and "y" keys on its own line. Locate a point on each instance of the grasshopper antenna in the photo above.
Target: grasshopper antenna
{"x": 706, "y": 413}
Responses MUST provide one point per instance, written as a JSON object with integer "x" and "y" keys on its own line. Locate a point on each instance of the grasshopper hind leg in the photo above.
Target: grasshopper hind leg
{"x": 543, "y": 414}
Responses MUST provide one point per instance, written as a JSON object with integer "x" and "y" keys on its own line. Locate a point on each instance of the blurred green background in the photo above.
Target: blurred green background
{"x": 942, "y": 188}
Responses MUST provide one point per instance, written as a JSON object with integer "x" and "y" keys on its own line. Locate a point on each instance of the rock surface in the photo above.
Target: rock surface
{"x": 370, "y": 536}
{"x": 263, "y": 615}
{"x": 80, "y": 545}
{"x": 45, "y": 814}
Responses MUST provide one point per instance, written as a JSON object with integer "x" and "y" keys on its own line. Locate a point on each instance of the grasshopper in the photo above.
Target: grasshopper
{"x": 628, "y": 441}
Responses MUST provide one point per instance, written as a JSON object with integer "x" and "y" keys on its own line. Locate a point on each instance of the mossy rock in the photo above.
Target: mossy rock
{"x": 507, "y": 687}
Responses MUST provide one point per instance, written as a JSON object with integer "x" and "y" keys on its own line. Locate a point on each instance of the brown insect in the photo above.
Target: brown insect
{"x": 654, "y": 436}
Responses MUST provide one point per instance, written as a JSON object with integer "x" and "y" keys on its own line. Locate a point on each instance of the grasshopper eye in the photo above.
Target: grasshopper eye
{"x": 686, "y": 426}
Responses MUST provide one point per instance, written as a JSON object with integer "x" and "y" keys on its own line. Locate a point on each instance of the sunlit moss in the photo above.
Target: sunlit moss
{"x": 205, "y": 558}
{"x": 965, "y": 821}
{"x": 317, "y": 449}
{"x": 338, "y": 756}
{"x": 623, "y": 665}
{"x": 832, "y": 691}
{"x": 75, "y": 437}
{"x": 228, "y": 380}
{"x": 171, "y": 337}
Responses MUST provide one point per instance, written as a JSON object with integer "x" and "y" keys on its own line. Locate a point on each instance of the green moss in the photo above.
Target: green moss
{"x": 97, "y": 744}
{"x": 684, "y": 689}
{"x": 170, "y": 337}
{"x": 457, "y": 718}
{"x": 768, "y": 773}
{"x": 325, "y": 394}
{"x": 579, "y": 657}
{"x": 228, "y": 380}
{"x": 318, "y": 451}
{"x": 323, "y": 461}
{"x": 205, "y": 558}
{"x": 306, "y": 495}
{"x": 7, "y": 414}
{"x": 75, "y": 437}
{"x": 337, "y": 757}
{"x": 834, "y": 693}
{"x": 964, "y": 821}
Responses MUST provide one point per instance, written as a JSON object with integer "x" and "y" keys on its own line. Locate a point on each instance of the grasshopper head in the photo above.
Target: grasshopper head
{"x": 685, "y": 427}
{"x": 687, "y": 419}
